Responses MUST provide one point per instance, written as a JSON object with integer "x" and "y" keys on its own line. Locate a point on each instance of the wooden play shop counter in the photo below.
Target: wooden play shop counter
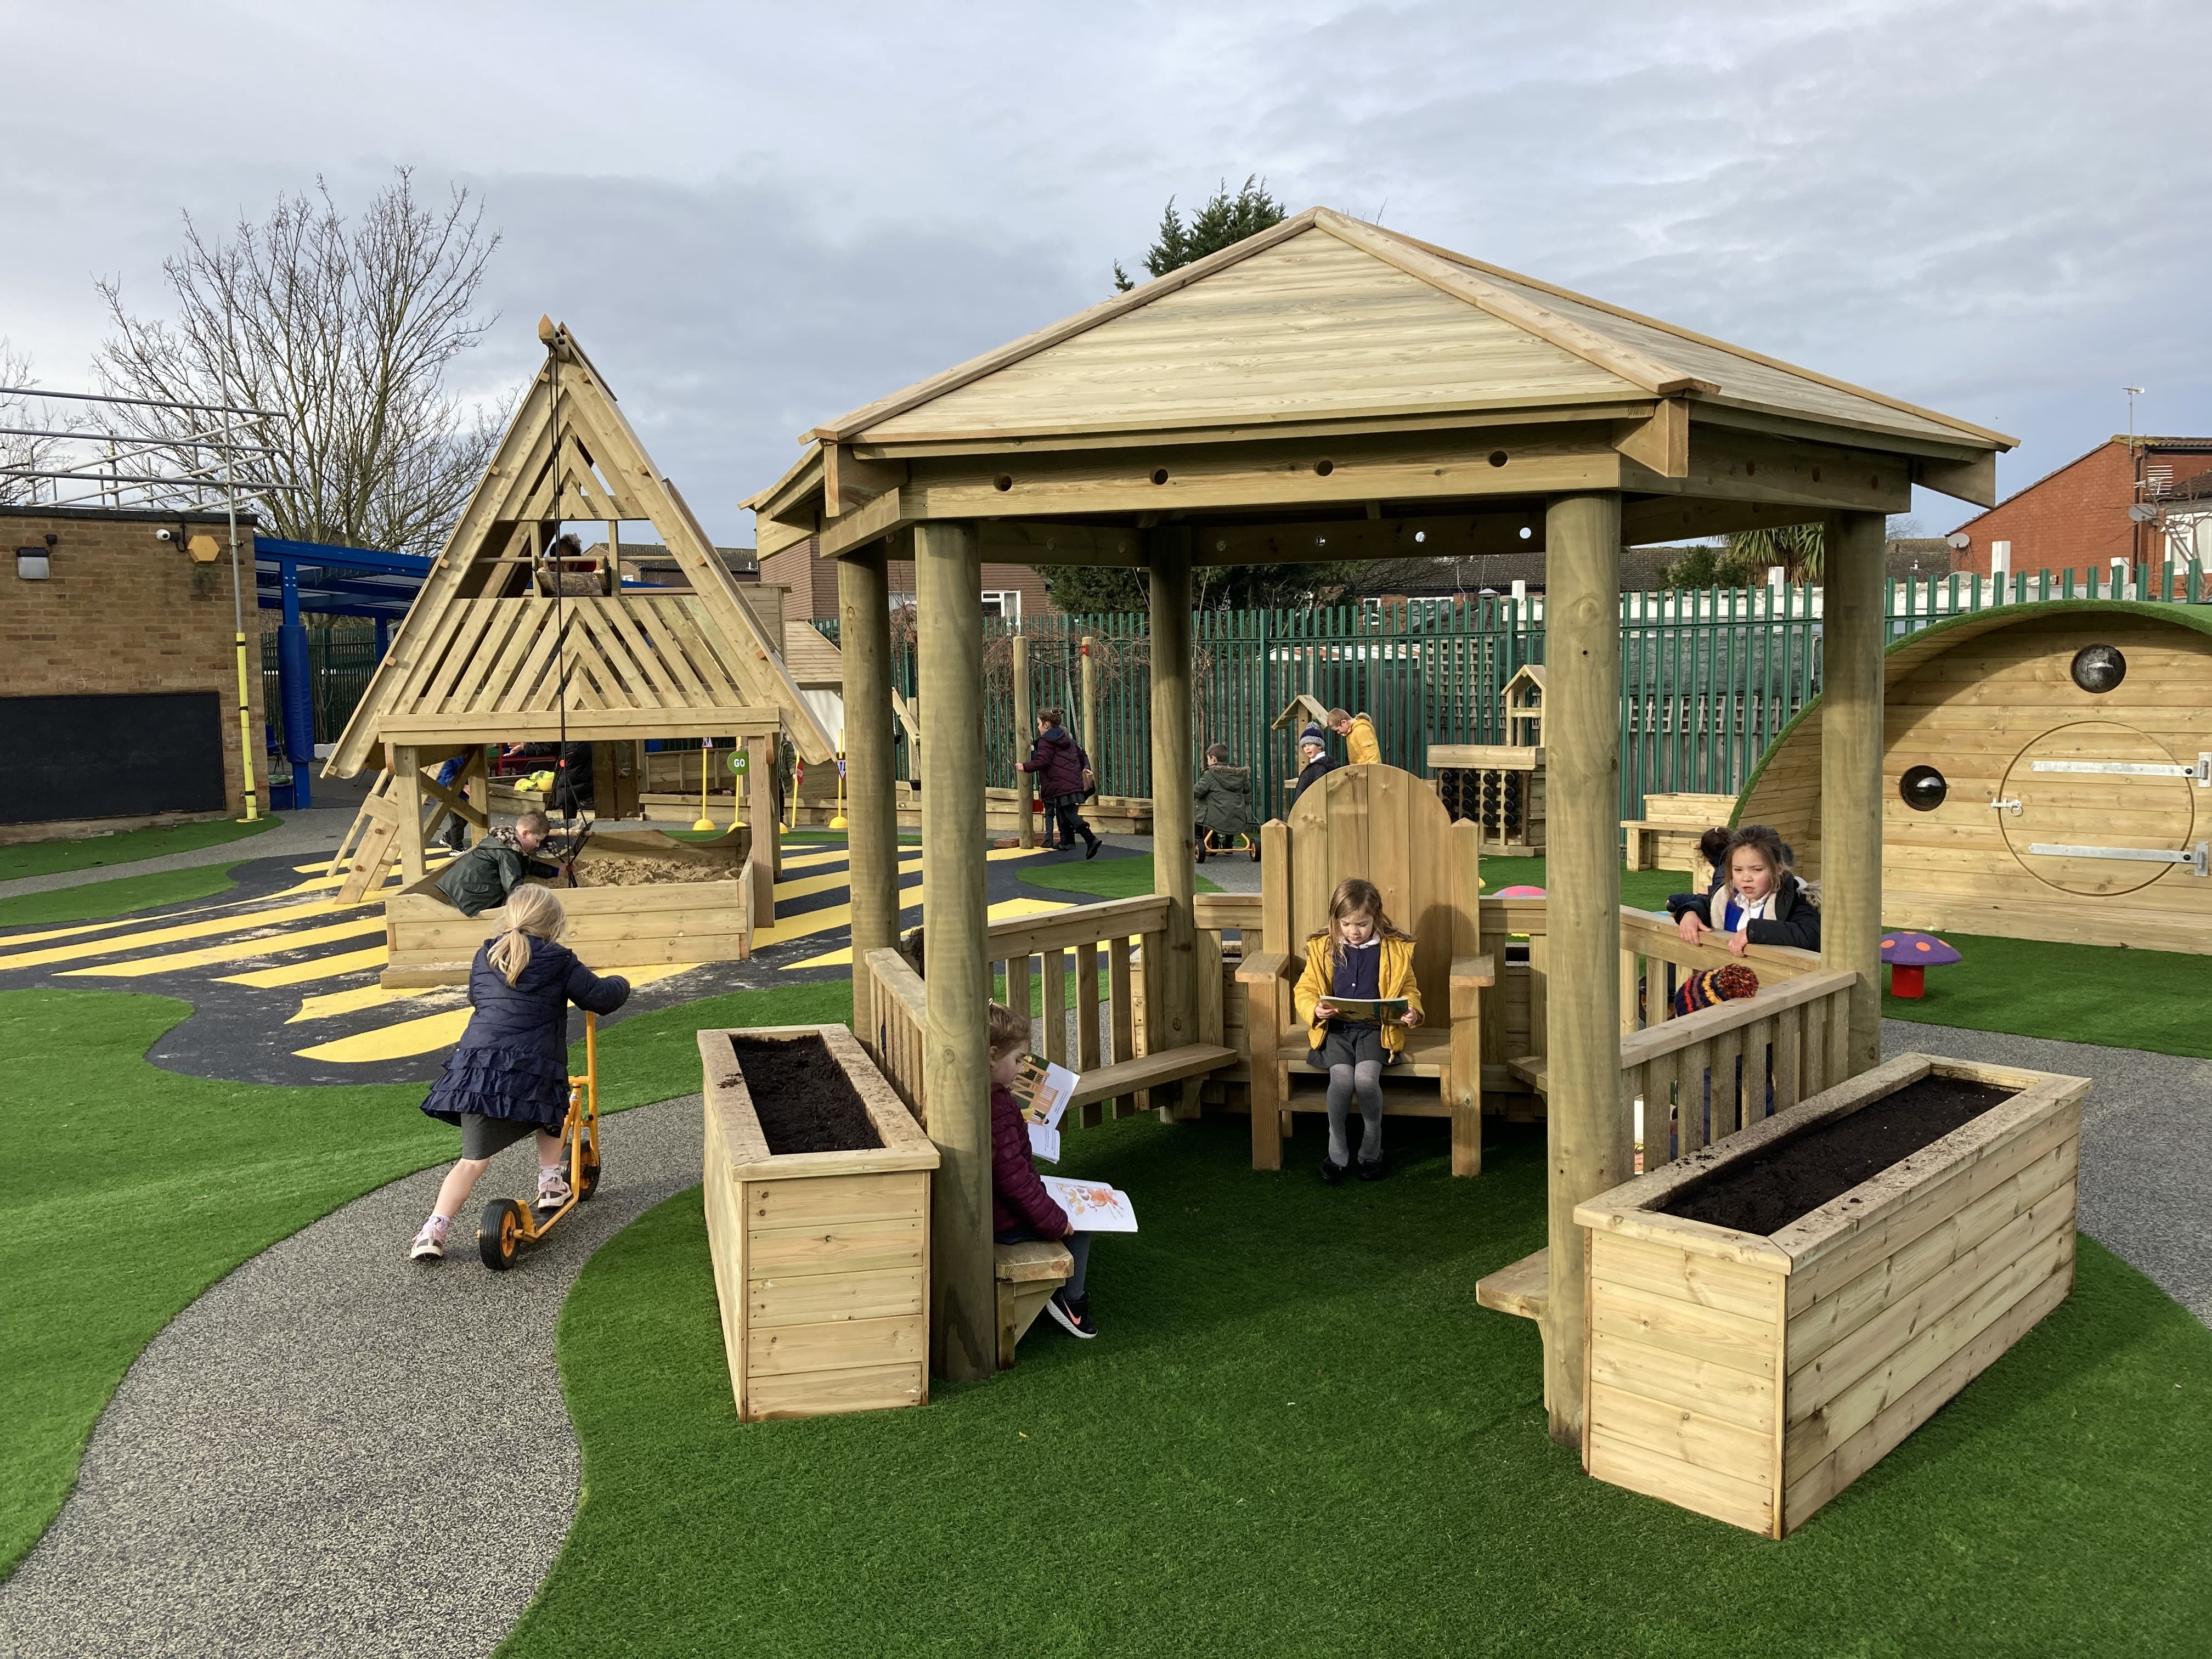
{"x": 1753, "y": 1377}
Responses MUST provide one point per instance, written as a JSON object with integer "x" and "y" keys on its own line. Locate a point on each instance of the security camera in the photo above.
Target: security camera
{"x": 165, "y": 535}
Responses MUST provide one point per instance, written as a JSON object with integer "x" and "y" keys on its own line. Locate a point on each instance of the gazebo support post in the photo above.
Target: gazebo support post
{"x": 955, "y": 1064}
{"x": 1025, "y": 732}
{"x": 1588, "y": 1144}
{"x": 1175, "y": 872}
{"x": 872, "y": 805}
{"x": 1850, "y": 772}
{"x": 406, "y": 766}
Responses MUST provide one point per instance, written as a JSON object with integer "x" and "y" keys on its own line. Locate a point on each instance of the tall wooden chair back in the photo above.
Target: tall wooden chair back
{"x": 1389, "y": 826}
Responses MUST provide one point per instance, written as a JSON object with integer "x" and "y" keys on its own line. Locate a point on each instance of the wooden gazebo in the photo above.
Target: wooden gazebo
{"x": 1329, "y": 390}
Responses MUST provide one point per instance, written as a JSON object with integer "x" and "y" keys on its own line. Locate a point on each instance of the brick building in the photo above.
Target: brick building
{"x": 2079, "y": 516}
{"x": 1009, "y": 590}
{"x": 119, "y": 676}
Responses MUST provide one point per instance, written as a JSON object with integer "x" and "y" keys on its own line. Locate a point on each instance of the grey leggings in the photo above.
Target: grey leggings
{"x": 1364, "y": 1081}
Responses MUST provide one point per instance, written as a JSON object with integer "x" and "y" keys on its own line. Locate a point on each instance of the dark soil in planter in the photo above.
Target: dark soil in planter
{"x": 804, "y": 1100}
{"x": 1766, "y": 1193}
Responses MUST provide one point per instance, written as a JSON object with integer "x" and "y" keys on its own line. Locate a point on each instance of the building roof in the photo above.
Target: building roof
{"x": 652, "y": 556}
{"x": 1325, "y": 317}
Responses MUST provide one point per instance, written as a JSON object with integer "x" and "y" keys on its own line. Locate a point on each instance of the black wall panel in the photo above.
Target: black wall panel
{"x": 110, "y": 757}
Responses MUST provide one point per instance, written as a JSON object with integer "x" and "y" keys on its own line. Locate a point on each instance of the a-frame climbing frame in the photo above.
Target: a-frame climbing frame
{"x": 501, "y": 645}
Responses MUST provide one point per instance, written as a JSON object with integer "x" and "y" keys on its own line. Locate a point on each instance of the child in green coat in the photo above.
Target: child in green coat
{"x": 1223, "y": 800}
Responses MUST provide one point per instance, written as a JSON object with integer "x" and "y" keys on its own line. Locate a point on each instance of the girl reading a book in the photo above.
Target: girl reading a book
{"x": 1358, "y": 961}
{"x": 1021, "y": 1209}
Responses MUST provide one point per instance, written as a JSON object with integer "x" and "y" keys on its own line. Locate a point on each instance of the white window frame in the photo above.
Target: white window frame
{"x": 1008, "y": 602}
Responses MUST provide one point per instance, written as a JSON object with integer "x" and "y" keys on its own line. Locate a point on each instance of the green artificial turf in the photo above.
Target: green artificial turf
{"x": 1113, "y": 878}
{"x": 1298, "y": 1435}
{"x": 46, "y": 858}
{"x": 2115, "y": 997}
{"x": 97, "y": 900}
{"x": 130, "y": 1189}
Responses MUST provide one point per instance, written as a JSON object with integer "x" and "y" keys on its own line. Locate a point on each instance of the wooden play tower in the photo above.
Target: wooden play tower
{"x": 507, "y": 642}
{"x": 1330, "y": 390}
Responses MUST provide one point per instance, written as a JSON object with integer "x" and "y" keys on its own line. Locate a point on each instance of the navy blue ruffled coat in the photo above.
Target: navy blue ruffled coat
{"x": 512, "y": 1061}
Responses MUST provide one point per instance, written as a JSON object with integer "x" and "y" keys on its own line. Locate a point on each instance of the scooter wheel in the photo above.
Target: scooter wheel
{"x": 498, "y": 1233}
{"x": 1201, "y": 849}
{"x": 1255, "y": 851}
{"x": 588, "y": 1178}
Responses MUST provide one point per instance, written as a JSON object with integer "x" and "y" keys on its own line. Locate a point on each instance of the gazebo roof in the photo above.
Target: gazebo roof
{"x": 1327, "y": 372}
{"x": 1325, "y": 317}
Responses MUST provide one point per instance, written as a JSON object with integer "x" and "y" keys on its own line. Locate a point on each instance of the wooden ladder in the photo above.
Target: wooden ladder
{"x": 365, "y": 853}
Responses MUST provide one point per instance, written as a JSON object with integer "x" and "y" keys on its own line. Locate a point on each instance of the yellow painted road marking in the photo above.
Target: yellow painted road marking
{"x": 237, "y": 951}
{"x": 836, "y": 881}
{"x": 1003, "y": 910}
{"x": 299, "y": 973}
{"x": 332, "y": 1003}
{"x": 432, "y": 1031}
{"x": 231, "y": 924}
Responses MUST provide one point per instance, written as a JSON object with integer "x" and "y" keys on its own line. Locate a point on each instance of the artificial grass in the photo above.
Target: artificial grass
{"x": 1298, "y": 1435}
{"x": 2113, "y": 996}
{"x": 97, "y": 900}
{"x": 46, "y": 858}
{"x": 1113, "y": 878}
{"x": 131, "y": 1189}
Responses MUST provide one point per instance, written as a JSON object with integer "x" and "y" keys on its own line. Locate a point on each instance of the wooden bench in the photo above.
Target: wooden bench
{"x": 1027, "y": 1275}
{"x": 1524, "y": 1290}
{"x": 1666, "y": 836}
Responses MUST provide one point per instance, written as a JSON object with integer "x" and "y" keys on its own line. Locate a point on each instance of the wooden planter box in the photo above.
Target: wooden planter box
{"x": 820, "y": 1258}
{"x": 610, "y": 927}
{"x": 1752, "y": 1377}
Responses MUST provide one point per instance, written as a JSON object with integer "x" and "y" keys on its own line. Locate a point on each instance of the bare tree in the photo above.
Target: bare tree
{"x": 347, "y": 330}
{"x": 17, "y": 447}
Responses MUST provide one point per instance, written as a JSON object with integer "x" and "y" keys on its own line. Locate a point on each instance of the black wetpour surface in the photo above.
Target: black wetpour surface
{"x": 1797, "y": 1176}
{"x": 804, "y": 1100}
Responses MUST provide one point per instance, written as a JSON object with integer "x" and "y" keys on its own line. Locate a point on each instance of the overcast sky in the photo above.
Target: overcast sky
{"x": 756, "y": 217}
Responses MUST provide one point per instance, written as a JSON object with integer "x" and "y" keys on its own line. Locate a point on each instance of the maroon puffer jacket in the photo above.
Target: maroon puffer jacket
{"x": 1017, "y": 1197}
{"x": 1058, "y": 761}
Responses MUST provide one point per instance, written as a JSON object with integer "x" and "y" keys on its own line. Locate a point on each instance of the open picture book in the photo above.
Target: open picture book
{"x": 1374, "y": 1009}
{"x": 1092, "y": 1207}
{"x": 1043, "y": 1091}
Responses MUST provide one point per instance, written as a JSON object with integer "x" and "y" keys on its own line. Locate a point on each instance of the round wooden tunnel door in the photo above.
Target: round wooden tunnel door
{"x": 2119, "y": 810}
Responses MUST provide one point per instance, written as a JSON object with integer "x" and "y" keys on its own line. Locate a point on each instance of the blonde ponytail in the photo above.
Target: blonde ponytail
{"x": 530, "y": 912}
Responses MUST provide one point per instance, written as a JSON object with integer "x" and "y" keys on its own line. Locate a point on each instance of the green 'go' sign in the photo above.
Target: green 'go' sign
{"x": 738, "y": 760}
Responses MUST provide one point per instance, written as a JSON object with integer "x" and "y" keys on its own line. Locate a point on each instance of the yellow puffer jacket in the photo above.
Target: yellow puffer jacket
{"x": 1361, "y": 747}
{"x": 1396, "y": 973}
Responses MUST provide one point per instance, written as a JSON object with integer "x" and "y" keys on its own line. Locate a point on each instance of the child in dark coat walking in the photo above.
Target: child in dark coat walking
{"x": 1063, "y": 780}
{"x": 1021, "y": 1209}
{"x": 509, "y": 1076}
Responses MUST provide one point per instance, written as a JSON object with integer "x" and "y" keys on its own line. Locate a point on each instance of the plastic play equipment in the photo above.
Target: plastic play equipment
{"x": 1909, "y": 955}
{"x": 509, "y": 1224}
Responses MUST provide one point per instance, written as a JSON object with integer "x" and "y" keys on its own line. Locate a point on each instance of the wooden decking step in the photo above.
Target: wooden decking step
{"x": 1126, "y": 1077}
{"x": 1530, "y": 1068}
{"x": 1524, "y": 1290}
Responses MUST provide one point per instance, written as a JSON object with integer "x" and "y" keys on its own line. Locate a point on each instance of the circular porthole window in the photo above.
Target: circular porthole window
{"x": 1922, "y": 788}
{"x": 2099, "y": 668}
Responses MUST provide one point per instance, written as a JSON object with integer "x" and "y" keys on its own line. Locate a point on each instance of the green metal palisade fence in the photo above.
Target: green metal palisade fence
{"x": 340, "y": 659}
{"x": 1709, "y": 676}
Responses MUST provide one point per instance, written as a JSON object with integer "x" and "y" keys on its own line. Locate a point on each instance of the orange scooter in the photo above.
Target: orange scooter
{"x": 509, "y": 1224}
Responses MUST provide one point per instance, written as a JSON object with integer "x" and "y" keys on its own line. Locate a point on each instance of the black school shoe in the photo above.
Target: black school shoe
{"x": 1090, "y": 849}
{"x": 1072, "y": 1314}
{"x": 1374, "y": 1170}
{"x": 1332, "y": 1172}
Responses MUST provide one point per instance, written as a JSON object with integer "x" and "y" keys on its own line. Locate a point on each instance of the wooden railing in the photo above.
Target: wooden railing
{"x": 1702, "y": 1076}
{"x": 1116, "y": 950}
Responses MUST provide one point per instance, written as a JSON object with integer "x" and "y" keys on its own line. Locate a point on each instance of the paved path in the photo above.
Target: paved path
{"x": 2146, "y": 1143}
{"x": 318, "y": 829}
{"x": 335, "y": 1451}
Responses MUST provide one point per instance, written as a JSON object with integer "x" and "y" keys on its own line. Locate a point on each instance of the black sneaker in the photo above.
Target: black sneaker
{"x": 1072, "y": 1314}
{"x": 1090, "y": 851}
{"x": 1373, "y": 1168}
{"x": 1332, "y": 1172}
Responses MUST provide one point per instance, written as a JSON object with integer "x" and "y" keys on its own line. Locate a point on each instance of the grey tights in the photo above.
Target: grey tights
{"x": 1364, "y": 1081}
